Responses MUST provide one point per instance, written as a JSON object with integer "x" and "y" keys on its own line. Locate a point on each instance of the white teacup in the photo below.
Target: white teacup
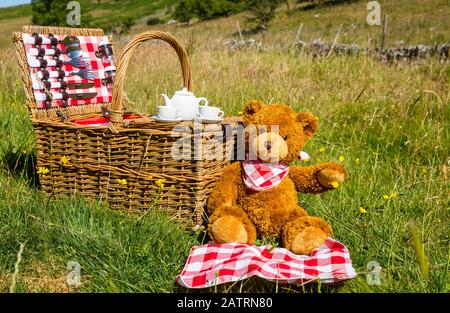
{"x": 166, "y": 112}
{"x": 210, "y": 112}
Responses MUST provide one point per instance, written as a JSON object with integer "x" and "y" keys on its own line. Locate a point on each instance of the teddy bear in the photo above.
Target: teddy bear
{"x": 258, "y": 197}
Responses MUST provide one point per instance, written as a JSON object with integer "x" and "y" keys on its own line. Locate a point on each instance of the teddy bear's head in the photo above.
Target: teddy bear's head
{"x": 279, "y": 132}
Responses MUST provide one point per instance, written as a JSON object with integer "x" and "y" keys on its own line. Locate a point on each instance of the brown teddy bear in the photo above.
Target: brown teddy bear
{"x": 244, "y": 206}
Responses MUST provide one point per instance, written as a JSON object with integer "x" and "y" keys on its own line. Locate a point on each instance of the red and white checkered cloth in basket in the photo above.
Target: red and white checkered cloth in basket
{"x": 214, "y": 264}
{"x": 89, "y": 44}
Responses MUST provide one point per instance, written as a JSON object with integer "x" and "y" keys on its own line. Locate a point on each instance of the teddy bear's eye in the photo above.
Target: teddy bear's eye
{"x": 285, "y": 137}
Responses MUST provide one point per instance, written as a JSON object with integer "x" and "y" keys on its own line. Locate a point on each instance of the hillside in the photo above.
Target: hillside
{"x": 409, "y": 21}
{"x": 387, "y": 124}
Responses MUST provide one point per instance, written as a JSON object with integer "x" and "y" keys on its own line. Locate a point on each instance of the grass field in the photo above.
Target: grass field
{"x": 389, "y": 126}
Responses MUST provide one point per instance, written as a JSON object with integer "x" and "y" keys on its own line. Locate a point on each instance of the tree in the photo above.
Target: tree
{"x": 49, "y": 12}
{"x": 262, "y": 12}
{"x": 184, "y": 11}
{"x": 54, "y": 13}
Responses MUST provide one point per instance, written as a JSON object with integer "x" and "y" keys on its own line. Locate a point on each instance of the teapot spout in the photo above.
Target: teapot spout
{"x": 166, "y": 99}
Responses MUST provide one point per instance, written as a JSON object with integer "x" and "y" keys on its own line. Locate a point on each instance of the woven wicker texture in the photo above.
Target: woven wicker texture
{"x": 130, "y": 164}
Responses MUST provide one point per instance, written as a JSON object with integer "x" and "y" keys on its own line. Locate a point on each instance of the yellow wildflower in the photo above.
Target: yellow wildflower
{"x": 240, "y": 113}
{"x": 160, "y": 183}
{"x": 121, "y": 181}
{"x": 385, "y": 197}
{"x": 424, "y": 171}
{"x": 362, "y": 210}
{"x": 357, "y": 161}
{"x": 393, "y": 196}
{"x": 341, "y": 158}
{"x": 43, "y": 170}
{"x": 322, "y": 150}
{"x": 64, "y": 160}
{"x": 335, "y": 184}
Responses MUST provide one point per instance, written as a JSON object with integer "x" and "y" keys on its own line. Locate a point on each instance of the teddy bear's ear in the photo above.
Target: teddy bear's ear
{"x": 252, "y": 106}
{"x": 308, "y": 122}
{"x": 250, "y": 109}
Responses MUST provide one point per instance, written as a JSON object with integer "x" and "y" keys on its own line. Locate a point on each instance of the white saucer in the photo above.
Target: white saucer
{"x": 162, "y": 120}
{"x": 208, "y": 120}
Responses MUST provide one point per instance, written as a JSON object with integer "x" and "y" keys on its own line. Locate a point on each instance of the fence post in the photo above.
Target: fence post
{"x": 334, "y": 43}
{"x": 384, "y": 32}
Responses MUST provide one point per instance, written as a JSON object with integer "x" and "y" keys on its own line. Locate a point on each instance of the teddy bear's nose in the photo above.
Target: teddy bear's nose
{"x": 268, "y": 145}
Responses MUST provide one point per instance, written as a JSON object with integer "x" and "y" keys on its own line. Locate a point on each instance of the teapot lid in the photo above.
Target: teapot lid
{"x": 184, "y": 92}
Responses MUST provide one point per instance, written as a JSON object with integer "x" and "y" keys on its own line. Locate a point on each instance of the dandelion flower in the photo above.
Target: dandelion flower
{"x": 64, "y": 160}
{"x": 341, "y": 158}
{"x": 160, "y": 182}
{"x": 322, "y": 150}
{"x": 43, "y": 170}
{"x": 240, "y": 113}
{"x": 385, "y": 197}
{"x": 362, "y": 210}
{"x": 335, "y": 184}
{"x": 121, "y": 181}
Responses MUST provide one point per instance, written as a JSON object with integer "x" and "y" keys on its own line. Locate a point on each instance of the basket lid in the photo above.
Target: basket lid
{"x": 76, "y": 75}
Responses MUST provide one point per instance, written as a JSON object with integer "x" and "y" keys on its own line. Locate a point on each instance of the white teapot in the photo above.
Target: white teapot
{"x": 186, "y": 103}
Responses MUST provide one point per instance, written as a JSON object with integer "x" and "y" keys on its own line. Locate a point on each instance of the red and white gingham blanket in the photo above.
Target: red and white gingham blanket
{"x": 214, "y": 264}
{"x": 89, "y": 45}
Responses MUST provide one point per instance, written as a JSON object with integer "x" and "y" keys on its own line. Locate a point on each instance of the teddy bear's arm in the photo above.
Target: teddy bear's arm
{"x": 317, "y": 178}
{"x": 226, "y": 190}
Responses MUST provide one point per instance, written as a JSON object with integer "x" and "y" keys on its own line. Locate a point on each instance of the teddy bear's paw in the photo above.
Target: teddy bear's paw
{"x": 229, "y": 229}
{"x": 329, "y": 177}
{"x": 308, "y": 239}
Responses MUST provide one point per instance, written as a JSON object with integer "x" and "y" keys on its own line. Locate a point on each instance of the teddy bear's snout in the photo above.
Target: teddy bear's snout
{"x": 270, "y": 147}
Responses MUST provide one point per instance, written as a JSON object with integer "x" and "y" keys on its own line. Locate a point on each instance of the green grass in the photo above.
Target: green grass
{"x": 117, "y": 252}
{"x": 390, "y": 123}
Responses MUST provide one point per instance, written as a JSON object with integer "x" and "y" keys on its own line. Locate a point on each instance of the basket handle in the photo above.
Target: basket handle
{"x": 122, "y": 65}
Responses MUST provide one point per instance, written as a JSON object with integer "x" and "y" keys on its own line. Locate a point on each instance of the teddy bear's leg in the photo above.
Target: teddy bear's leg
{"x": 231, "y": 224}
{"x": 304, "y": 234}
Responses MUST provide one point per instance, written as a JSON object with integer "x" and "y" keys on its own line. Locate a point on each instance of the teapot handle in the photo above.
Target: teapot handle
{"x": 202, "y": 99}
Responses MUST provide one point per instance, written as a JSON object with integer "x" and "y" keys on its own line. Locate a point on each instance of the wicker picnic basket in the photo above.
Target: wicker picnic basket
{"x": 129, "y": 162}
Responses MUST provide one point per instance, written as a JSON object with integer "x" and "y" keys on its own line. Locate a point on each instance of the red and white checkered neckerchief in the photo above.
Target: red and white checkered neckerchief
{"x": 261, "y": 176}
{"x": 213, "y": 264}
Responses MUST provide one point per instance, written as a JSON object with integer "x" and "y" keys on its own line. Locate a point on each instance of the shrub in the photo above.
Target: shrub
{"x": 153, "y": 20}
{"x": 186, "y": 10}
